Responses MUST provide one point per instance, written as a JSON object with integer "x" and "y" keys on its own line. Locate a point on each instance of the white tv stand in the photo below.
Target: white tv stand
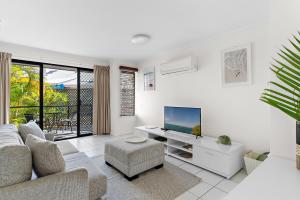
{"x": 204, "y": 152}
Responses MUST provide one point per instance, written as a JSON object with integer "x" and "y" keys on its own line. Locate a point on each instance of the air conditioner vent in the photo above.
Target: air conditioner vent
{"x": 183, "y": 65}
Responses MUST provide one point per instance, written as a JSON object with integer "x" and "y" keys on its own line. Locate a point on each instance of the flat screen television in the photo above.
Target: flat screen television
{"x": 183, "y": 120}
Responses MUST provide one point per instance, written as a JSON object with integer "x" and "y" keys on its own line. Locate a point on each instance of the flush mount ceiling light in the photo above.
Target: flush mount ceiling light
{"x": 140, "y": 39}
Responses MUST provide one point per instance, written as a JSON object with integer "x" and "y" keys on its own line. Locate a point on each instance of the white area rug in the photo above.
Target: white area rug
{"x": 156, "y": 184}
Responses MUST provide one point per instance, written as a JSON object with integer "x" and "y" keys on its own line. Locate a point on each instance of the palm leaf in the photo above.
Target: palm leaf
{"x": 290, "y": 108}
{"x": 279, "y": 99}
{"x": 294, "y": 55}
{"x": 296, "y": 47}
{"x": 292, "y": 62}
{"x": 288, "y": 81}
{"x": 296, "y": 39}
{"x": 294, "y": 115}
{"x": 284, "y": 65}
{"x": 283, "y": 72}
{"x": 288, "y": 72}
{"x": 281, "y": 94}
{"x": 290, "y": 57}
{"x": 295, "y": 71}
{"x": 285, "y": 89}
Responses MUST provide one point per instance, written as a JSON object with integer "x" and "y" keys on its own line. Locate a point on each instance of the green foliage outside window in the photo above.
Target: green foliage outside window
{"x": 25, "y": 91}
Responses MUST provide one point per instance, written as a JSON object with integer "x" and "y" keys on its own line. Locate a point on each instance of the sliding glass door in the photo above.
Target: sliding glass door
{"x": 58, "y": 98}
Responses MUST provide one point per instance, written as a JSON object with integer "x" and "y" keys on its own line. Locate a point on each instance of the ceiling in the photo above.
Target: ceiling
{"x": 103, "y": 28}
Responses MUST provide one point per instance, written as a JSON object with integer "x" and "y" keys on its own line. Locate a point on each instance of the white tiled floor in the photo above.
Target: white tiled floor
{"x": 210, "y": 178}
{"x": 187, "y": 196}
{"x": 201, "y": 189}
{"x": 212, "y": 186}
{"x": 190, "y": 168}
{"x": 226, "y": 185}
{"x": 214, "y": 194}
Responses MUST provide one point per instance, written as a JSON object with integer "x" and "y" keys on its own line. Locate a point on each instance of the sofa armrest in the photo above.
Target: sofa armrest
{"x": 72, "y": 185}
{"x": 49, "y": 136}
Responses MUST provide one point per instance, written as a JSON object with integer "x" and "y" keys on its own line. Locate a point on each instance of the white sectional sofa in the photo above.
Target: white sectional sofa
{"x": 81, "y": 179}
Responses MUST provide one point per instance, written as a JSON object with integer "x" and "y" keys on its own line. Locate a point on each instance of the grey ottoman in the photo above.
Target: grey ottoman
{"x": 133, "y": 159}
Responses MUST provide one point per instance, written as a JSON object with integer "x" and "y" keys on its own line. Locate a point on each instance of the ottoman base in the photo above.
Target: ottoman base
{"x": 135, "y": 176}
{"x": 159, "y": 166}
{"x": 131, "y": 178}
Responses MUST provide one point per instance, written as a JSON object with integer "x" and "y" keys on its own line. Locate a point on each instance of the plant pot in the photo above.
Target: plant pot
{"x": 298, "y": 144}
{"x": 250, "y": 161}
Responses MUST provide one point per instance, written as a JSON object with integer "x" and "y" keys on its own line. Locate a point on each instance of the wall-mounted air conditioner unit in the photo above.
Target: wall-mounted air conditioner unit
{"x": 186, "y": 64}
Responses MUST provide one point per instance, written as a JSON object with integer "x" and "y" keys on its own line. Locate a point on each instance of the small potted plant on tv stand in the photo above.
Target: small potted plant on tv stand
{"x": 287, "y": 98}
{"x": 197, "y": 131}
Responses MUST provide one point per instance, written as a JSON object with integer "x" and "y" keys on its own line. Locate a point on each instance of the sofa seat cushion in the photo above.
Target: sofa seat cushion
{"x": 46, "y": 156}
{"x": 15, "y": 164}
{"x": 66, "y": 147}
{"x": 97, "y": 181}
{"x": 31, "y": 128}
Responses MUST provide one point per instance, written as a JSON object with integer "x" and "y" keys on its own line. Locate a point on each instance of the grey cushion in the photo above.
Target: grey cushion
{"x": 15, "y": 164}
{"x": 31, "y": 128}
{"x": 97, "y": 181}
{"x": 46, "y": 156}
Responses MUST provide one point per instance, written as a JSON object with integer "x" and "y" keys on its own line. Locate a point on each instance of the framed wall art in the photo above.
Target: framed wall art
{"x": 236, "y": 65}
{"x": 149, "y": 79}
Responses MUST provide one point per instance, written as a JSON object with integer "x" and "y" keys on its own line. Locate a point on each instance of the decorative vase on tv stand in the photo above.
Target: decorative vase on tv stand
{"x": 285, "y": 94}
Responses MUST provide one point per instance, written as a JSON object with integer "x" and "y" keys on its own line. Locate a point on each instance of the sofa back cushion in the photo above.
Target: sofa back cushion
{"x": 8, "y": 128}
{"x": 31, "y": 128}
{"x": 15, "y": 164}
{"x": 46, "y": 156}
{"x": 9, "y": 135}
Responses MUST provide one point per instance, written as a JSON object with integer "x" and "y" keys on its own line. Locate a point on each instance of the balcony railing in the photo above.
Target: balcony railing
{"x": 61, "y": 119}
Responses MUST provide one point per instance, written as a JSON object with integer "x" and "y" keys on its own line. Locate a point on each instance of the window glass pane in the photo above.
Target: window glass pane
{"x": 127, "y": 93}
{"x": 24, "y": 93}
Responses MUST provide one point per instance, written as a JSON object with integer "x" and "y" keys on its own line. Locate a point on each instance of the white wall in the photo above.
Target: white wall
{"x": 120, "y": 125}
{"x": 235, "y": 111}
{"x": 285, "y": 21}
{"x": 124, "y": 124}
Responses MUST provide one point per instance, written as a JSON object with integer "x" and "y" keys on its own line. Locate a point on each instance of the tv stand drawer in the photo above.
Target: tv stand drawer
{"x": 212, "y": 160}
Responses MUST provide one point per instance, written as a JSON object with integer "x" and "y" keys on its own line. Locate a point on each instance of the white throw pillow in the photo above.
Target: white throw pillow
{"x": 46, "y": 156}
{"x": 31, "y": 128}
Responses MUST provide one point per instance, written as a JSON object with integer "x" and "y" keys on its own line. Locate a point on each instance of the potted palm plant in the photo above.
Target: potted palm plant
{"x": 285, "y": 93}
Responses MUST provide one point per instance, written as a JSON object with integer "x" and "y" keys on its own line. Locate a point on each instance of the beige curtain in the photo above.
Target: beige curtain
{"x": 101, "y": 101}
{"x": 5, "y": 65}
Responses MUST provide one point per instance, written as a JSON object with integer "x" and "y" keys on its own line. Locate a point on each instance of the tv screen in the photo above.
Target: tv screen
{"x": 183, "y": 119}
